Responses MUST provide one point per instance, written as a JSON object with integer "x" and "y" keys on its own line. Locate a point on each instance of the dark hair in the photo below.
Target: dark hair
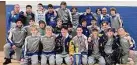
{"x": 88, "y": 8}
{"x": 32, "y": 19}
{"x": 28, "y": 6}
{"x": 19, "y": 20}
{"x": 70, "y": 25}
{"x": 64, "y": 27}
{"x": 83, "y": 20}
{"x": 79, "y": 26}
{"x": 40, "y": 4}
{"x": 111, "y": 29}
{"x": 50, "y": 6}
{"x": 104, "y": 22}
{"x": 74, "y": 8}
{"x": 63, "y": 3}
{"x": 42, "y": 22}
{"x": 98, "y": 9}
{"x": 94, "y": 30}
{"x": 94, "y": 20}
{"x": 113, "y": 9}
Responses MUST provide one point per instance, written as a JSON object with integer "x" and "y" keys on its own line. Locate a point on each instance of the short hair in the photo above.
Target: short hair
{"x": 88, "y": 8}
{"x": 63, "y": 3}
{"x": 95, "y": 30}
{"x": 98, "y": 9}
{"x": 93, "y": 21}
{"x": 48, "y": 28}
{"x": 64, "y": 27}
{"x": 34, "y": 26}
{"x": 59, "y": 19}
{"x": 28, "y": 6}
{"x": 32, "y": 19}
{"x": 110, "y": 30}
{"x": 70, "y": 25}
{"x": 79, "y": 26}
{"x": 74, "y": 8}
{"x": 41, "y": 4}
{"x": 113, "y": 9}
{"x": 104, "y": 22}
{"x": 83, "y": 20}
{"x": 50, "y": 6}
{"x": 42, "y": 22}
{"x": 19, "y": 20}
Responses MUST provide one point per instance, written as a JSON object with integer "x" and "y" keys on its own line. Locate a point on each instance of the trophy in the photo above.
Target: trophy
{"x": 71, "y": 47}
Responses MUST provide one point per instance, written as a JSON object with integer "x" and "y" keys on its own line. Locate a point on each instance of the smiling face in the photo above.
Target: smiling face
{"x": 112, "y": 12}
{"x": 104, "y": 11}
{"x": 19, "y": 24}
{"x": 105, "y": 26}
{"x": 95, "y": 34}
{"x": 110, "y": 33}
{"x": 84, "y": 23}
{"x": 48, "y": 31}
{"x": 59, "y": 22}
{"x": 64, "y": 32}
{"x": 74, "y": 10}
{"x": 31, "y": 22}
{"x": 121, "y": 31}
{"x": 29, "y": 9}
{"x": 79, "y": 31}
{"x": 34, "y": 30}
{"x": 50, "y": 9}
{"x": 16, "y": 8}
{"x": 88, "y": 10}
{"x": 98, "y": 11}
{"x": 63, "y": 6}
{"x": 40, "y": 7}
{"x": 42, "y": 25}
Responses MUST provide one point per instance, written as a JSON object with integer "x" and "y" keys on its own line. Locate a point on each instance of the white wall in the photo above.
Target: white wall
{"x": 78, "y": 3}
{"x": 73, "y": 3}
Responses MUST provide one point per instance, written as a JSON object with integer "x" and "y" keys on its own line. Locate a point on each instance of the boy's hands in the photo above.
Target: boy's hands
{"x": 14, "y": 47}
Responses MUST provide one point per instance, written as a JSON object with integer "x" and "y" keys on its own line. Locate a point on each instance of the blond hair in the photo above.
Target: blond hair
{"x": 48, "y": 28}
{"x": 34, "y": 26}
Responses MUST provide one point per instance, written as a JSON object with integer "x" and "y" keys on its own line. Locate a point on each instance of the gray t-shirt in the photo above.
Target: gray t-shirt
{"x": 18, "y": 36}
{"x": 32, "y": 44}
{"x": 48, "y": 43}
{"x": 108, "y": 47}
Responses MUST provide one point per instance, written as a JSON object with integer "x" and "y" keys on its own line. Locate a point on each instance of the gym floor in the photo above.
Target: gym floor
{"x": 14, "y": 62}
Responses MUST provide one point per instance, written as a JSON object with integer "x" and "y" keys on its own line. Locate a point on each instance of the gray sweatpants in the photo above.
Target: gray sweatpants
{"x": 91, "y": 60}
{"x": 77, "y": 59}
{"x": 59, "y": 59}
{"x": 50, "y": 57}
{"x": 33, "y": 58}
{"x": 125, "y": 58}
{"x": 7, "y": 49}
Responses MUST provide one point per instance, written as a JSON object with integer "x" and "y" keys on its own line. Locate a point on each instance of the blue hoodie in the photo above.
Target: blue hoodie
{"x": 13, "y": 18}
{"x": 51, "y": 19}
{"x": 103, "y": 18}
{"x": 87, "y": 17}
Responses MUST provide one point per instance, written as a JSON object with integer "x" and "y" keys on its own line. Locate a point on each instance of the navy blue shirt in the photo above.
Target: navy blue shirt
{"x": 87, "y": 17}
{"x": 85, "y": 31}
{"x": 103, "y": 18}
{"x": 13, "y": 18}
{"x": 51, "y": 19}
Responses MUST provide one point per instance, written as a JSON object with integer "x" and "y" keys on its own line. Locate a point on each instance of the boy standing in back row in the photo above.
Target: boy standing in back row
{"x": 64, "y": 13}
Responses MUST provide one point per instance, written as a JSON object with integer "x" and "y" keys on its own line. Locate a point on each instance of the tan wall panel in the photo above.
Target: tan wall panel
{"x": 2, "y": 25}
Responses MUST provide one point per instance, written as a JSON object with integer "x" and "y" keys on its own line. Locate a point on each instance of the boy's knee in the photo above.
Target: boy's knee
{"x": 7, "y": 46}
